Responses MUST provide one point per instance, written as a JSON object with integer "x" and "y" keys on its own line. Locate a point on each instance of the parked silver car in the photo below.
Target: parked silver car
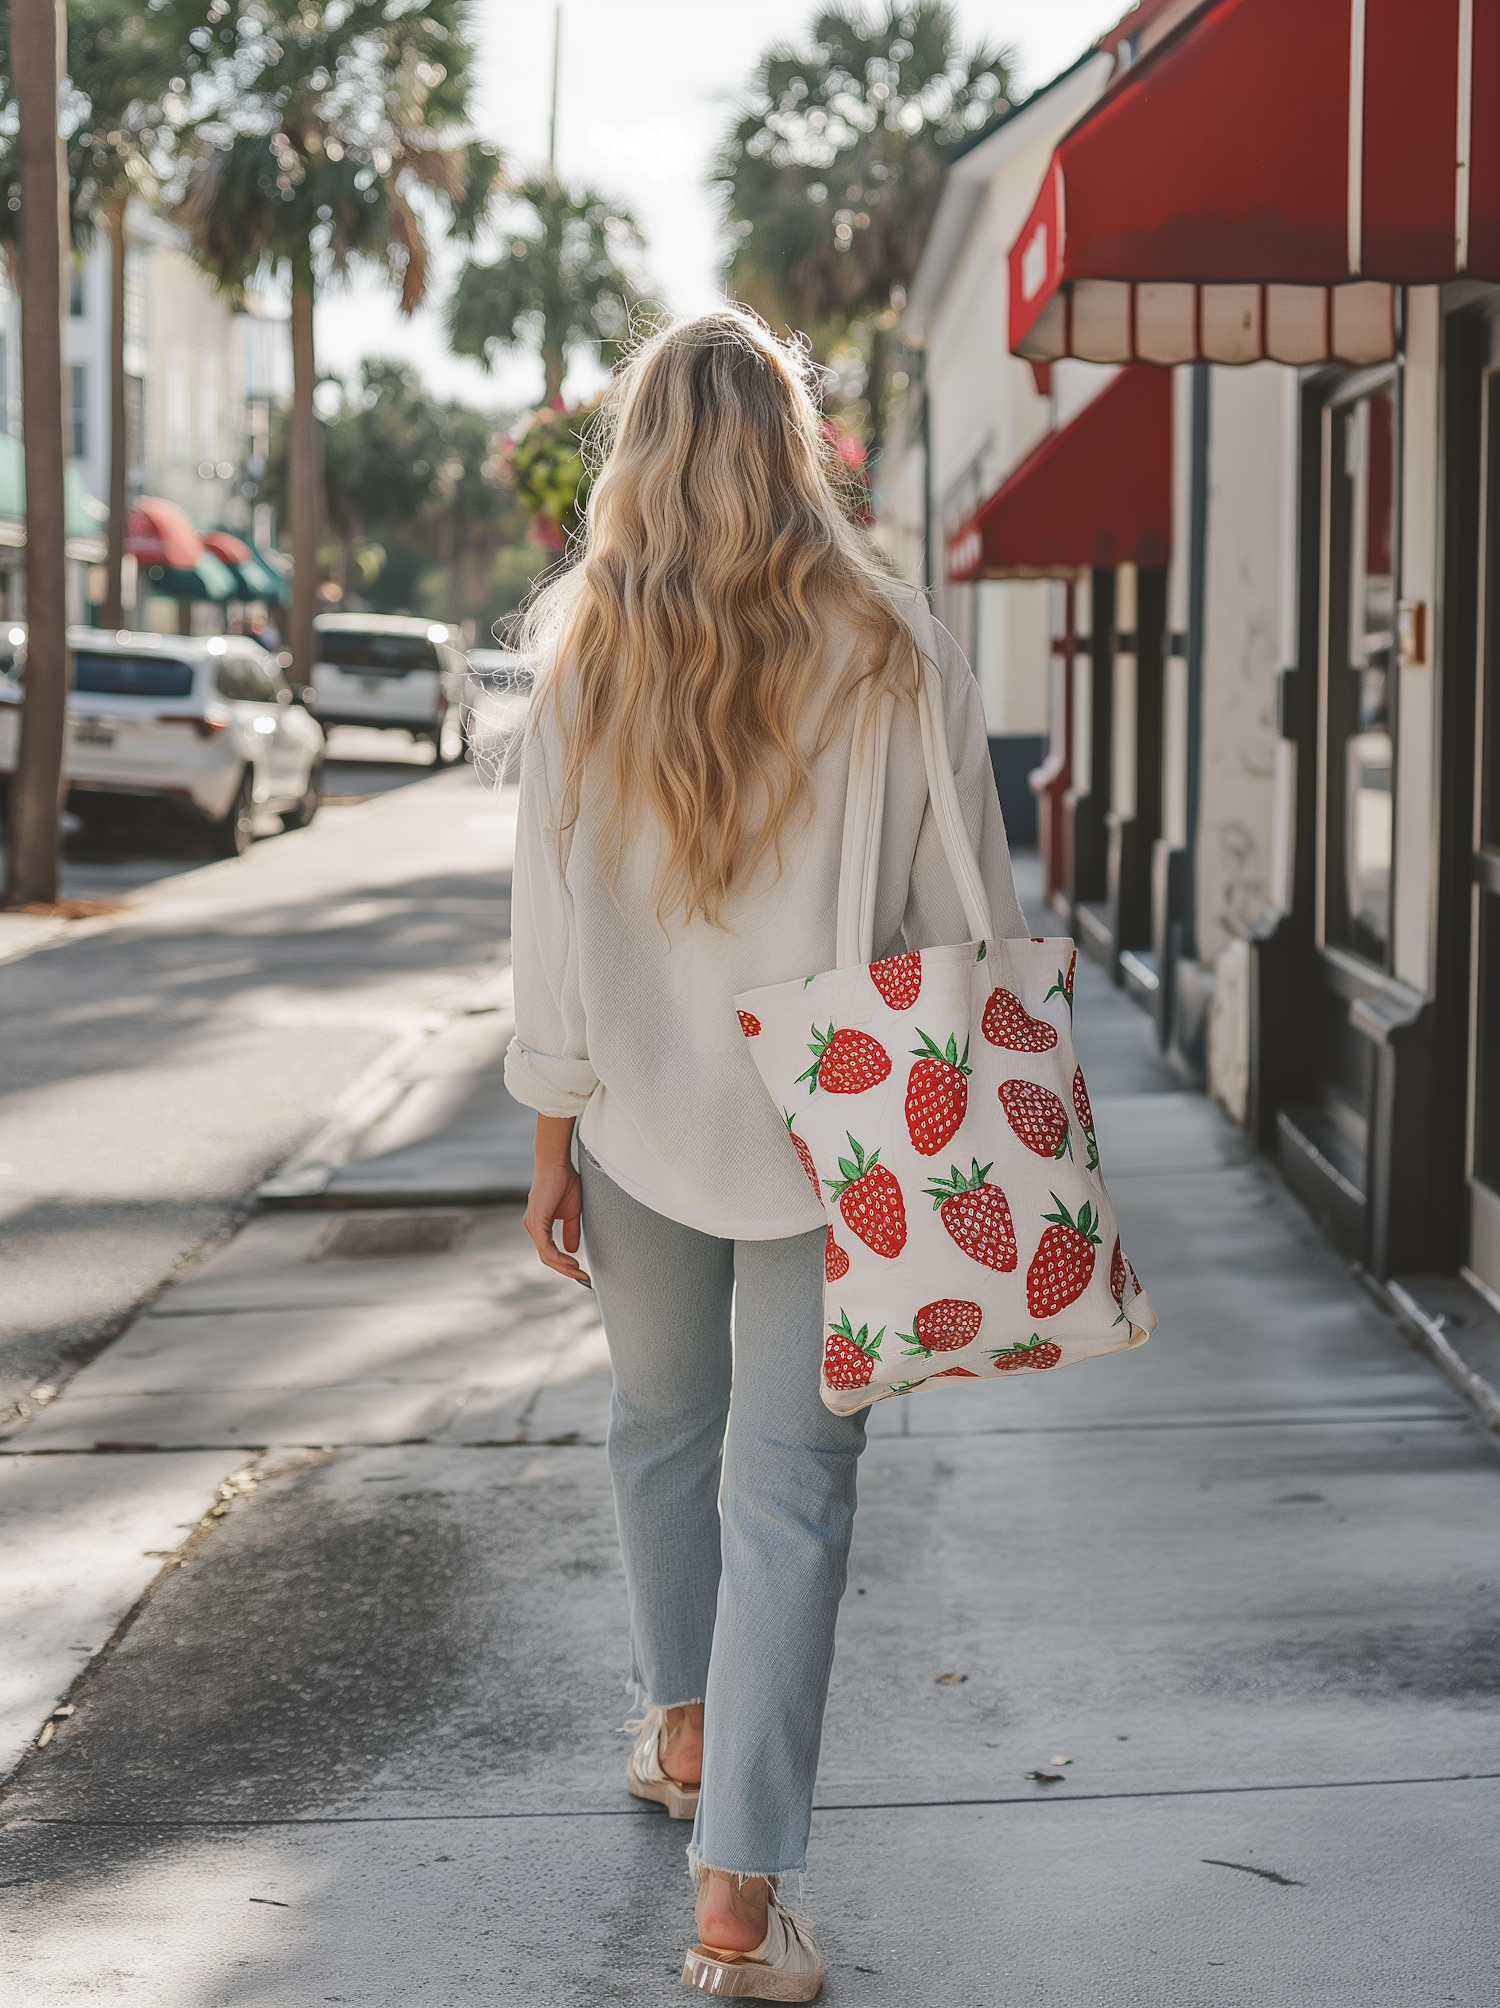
{"x": 207, "y": 723}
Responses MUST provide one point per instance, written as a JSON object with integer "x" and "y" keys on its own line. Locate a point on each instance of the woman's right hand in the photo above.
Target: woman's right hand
{"x": 556, "y": 1195}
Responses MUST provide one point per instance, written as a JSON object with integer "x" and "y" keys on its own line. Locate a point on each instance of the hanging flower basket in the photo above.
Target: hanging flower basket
{"x": 546, "y": 454}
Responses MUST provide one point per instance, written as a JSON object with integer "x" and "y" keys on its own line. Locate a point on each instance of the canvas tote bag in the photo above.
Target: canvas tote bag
{"x": 939, "y": 1111}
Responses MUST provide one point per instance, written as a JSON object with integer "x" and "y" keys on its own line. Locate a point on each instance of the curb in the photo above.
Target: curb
{"x": 1425, "y": 1329}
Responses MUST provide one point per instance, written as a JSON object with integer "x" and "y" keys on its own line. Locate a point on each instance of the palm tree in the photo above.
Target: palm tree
{"x": 325, "y": 121}
{"x": 34, "y": 58}
{"x": 560, "y": 283}
{"x": 832, "y": 169}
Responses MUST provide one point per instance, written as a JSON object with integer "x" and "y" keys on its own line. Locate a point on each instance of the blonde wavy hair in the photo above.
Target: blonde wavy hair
{"x": 688, "y": 643}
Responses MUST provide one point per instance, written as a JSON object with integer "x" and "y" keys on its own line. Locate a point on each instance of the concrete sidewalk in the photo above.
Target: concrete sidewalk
{"x": 1237, "y": 1593}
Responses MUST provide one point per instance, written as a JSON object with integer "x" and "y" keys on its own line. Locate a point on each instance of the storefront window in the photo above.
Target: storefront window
{"x": 1361, "y": 664}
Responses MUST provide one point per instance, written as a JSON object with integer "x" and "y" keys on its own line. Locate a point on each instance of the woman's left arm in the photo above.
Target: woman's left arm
{"x": 556, "y": 1196}
{"x": 547, "y": 1067}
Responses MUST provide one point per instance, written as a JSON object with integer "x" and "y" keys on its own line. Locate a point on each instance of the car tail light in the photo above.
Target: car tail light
{"x": 205, "y": 725}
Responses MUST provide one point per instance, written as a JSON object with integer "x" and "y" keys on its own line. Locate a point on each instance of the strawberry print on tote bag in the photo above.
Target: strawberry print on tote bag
{"x": 938, "y": 1109}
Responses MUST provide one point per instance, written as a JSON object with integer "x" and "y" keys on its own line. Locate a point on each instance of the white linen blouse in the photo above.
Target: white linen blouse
{"x": 630, "y": 1025}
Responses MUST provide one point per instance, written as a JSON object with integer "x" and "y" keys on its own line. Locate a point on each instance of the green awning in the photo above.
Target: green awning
{"x": 209, "y": 579}
{"x": 84, "y": 516}
{"x": 273, "y": 586}
{"x": 257, "y": 575}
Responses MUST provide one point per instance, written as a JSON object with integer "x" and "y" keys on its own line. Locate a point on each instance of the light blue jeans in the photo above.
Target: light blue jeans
{"x": 734, "y": 1492}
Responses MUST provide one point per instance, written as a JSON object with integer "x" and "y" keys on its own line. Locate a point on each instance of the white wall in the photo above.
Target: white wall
{"x": 987, "y": 414}
{"x": 1244, "y": 586}
{"x": 986, "y": 411}
{"x": 1012, "y": 652}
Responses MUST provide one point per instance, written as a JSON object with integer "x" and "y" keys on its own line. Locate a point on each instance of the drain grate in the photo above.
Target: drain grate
{"x": 390, "y": 1234}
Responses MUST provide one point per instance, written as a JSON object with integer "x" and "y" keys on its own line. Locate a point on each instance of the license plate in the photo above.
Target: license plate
{"x": 92, "y": 735}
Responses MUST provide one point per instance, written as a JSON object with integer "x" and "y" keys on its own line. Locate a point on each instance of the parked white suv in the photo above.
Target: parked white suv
{"x": 394, "y": 672}
{"x": 207, "y": 723}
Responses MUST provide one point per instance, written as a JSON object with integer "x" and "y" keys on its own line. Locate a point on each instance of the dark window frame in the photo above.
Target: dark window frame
{"x": 1335, "y": 934}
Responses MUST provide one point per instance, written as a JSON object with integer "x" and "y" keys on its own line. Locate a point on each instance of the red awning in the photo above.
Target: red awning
{"x": 1258, "y": 184}
{"x": 228, "y": 547}
{"x": 1098, "y": 491}
{"x": 159, "y": 533}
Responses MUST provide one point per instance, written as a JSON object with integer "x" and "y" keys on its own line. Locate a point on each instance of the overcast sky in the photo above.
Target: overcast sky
{"x": 646, "y": 88}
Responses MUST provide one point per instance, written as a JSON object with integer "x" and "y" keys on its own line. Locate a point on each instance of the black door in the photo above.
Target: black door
{"x": 1327, "y": 1136}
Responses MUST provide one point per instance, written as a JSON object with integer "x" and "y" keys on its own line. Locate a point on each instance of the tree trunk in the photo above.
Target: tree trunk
{"x": 38, "y": 41}
{"x": 114, "y": 601}
{"x": 556, "y": 365}
{"x": 302, "y": 479}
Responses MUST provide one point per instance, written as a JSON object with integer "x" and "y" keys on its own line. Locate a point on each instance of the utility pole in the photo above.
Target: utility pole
{"x": 38, "y": 50}
{"x": 556, "y": 66}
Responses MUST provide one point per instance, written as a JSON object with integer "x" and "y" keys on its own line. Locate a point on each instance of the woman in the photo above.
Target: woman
{"x": 711, "y": 654}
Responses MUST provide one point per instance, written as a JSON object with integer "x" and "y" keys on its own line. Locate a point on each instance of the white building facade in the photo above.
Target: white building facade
{"x": 202, "y": 378}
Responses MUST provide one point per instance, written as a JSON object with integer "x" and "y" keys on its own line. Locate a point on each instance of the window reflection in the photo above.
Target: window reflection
{"x": 1369, "y": 466}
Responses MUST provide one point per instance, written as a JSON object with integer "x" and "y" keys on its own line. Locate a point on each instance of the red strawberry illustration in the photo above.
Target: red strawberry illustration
{"x": 1064, "y": 1260}
{"x": 977, "y": 1216}
{"x": 1037, "y": 1117}
{"x": 749, "y": 1024}
{"x": 848, "y": 1356}
{"x": 845, "y": 1062}
{"x": 955, "y": 1373}
{"x": 870, "y": 1200}
{"x": 1081, "y": 1099}
{"x": 944, "y": 1327}
{"x": 1085, "y": 1114}
{"x": 898, "y": 979}
{"x": 1063, "y": 987}
{"x": 1121, "y": 1277}
{"x": 937, "y": 1093}
{"x": 1008, "y": 1023}
{"x": 805, "y": 1155}
{"x": 1033, "y": 1352}
{"x": 835, "y": 1260}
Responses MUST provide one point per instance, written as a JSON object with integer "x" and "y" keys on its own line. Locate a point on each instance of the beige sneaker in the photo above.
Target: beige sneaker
{"x": 645, "y": 1778}
{"x": 786, "y": 1966}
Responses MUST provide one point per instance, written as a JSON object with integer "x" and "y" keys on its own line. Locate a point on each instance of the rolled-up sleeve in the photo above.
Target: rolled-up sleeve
{"x": 547, "y": 1065}
{"x": 933, "y": 901}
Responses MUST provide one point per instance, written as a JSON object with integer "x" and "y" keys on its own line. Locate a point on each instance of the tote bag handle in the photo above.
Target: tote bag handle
{"x": 864, "y": 811}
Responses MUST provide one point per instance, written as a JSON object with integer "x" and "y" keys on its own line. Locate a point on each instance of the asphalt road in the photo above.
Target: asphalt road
{"x": 152, "y": 1069}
